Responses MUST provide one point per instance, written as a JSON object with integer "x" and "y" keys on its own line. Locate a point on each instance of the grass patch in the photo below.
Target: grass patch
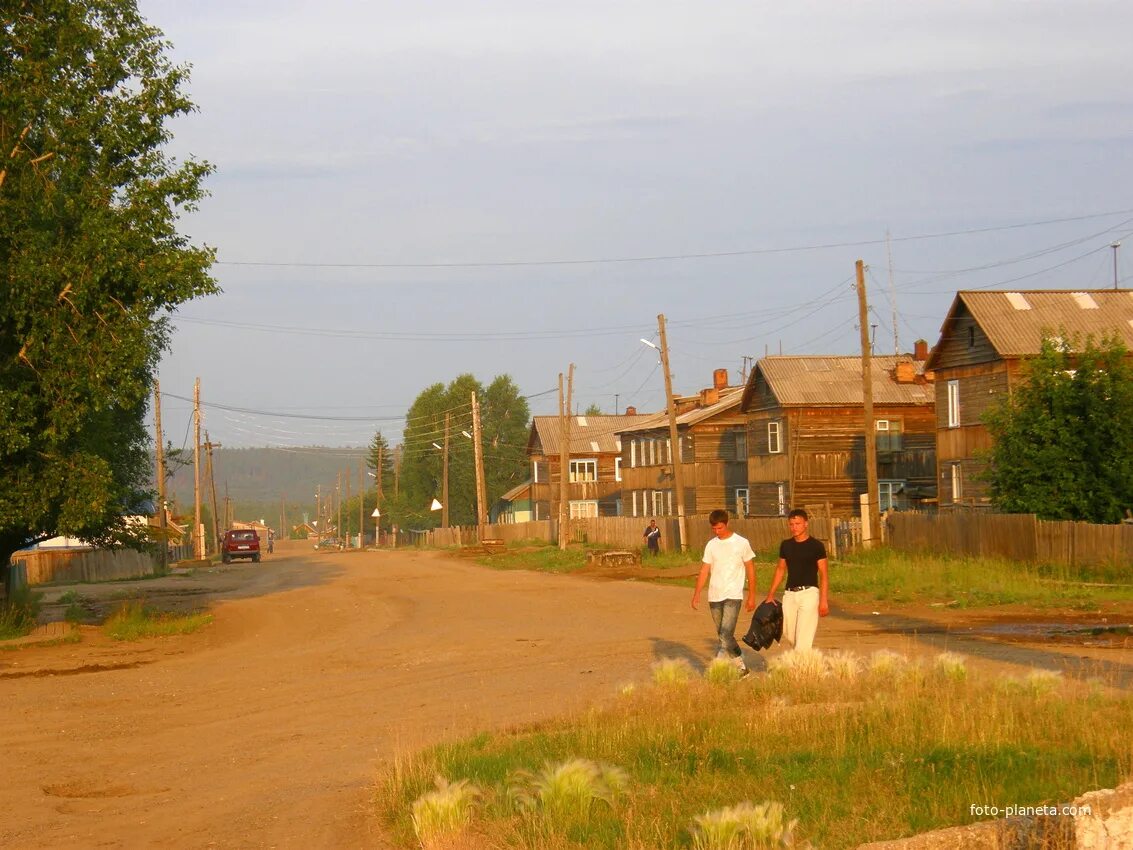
{"x": 18, "y": 615}
{"x": 134, "y": 621}
{"x": 890, "y": 576}
{"x": 541, "y": 556}
{"x": 817, "y": 748}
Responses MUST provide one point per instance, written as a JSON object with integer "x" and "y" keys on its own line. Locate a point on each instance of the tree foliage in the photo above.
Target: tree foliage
{"x": 91, "y": 261}
{"x": 504, "y": 419}
{"x": 1063, "y": 441}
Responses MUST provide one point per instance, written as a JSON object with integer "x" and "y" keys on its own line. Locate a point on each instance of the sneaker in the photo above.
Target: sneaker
{"x": 744, "y": 672}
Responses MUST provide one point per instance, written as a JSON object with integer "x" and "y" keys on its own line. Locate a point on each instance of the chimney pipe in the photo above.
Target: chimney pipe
{"x": 720, "y": 379}
{"x": 920, "y": 351}
{"x": 631, "y": 411}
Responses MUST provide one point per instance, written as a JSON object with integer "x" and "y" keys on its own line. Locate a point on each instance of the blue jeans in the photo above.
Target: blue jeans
{"x": 725, "y": 613}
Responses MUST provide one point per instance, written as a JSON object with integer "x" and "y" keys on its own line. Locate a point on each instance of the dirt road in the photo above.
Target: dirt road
{"x": 266, "y": 728}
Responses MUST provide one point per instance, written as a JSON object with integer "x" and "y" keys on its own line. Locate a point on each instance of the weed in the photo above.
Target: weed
{"x": 70, "y": 597}
{"x": 672, "y": 671}
{"x": 564, "y": 794}
{"x": 799, "y": 666}
{"x": 19, "y": 615}
{"x": 743, "y": 827}
{"x": 844, "y": 666}
{"x": 950, "y": 665}
{"x": 722, "y": 672}
{"x": 75, "y": 613}
{"x": 133, "y": 621}
{"x": 445, "y": 811}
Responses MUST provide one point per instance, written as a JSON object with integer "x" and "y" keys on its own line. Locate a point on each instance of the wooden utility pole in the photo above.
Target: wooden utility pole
{"x": 212, "y": 490}
{"x": 346, "y": 496}
{"x": 481, "y": 487}
{"x": 159, "y": 457}
{"x": 674, "y": 437}
{"x": 397, "y": 471}
{"x": 564, "y": 457}
{"x": 362, "y": 504}
{"x": 338, "y": 496}
{"x": 870, "y": 431}
{"x": 444, "y": 478}
{"x": 198, "y": 541}
{"x": 284, "y": 531}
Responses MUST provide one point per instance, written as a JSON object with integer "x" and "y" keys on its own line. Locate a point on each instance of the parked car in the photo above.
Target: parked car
{"x": 240, "y": 543}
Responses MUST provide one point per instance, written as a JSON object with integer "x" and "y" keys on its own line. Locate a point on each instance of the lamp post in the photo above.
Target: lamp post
{"x": 674, "y": 434}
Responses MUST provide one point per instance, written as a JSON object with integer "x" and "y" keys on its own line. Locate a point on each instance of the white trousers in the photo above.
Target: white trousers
{"x": 800, "y": 617}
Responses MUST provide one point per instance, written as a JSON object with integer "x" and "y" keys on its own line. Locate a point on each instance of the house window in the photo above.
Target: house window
{"x": 662, "y": 502}
{"x": 774, "y": 439}
{"x": 617, "y": 469}
{"x": 535, "y": 471}
{"x": 957, "y": 484}
{"x": 632, "y": 453}
{"x": 741, "y": 445}
{"x": 953, "y": 404}
{"x": 781, "y": 487}
{"x": 890, "y": 495}
{"x": 971, "y": 336}
{"x": 741, "y": 502}
{"x": 633, "y": 496}
{"x": 889, "y": 435}
{"x": 583, "y": 470}
{"x": 668, "y": 451}
{"x": 583, "y": 510}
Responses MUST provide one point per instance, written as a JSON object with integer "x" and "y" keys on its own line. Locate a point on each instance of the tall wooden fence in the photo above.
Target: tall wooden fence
{"x": 45, "y": 566}
{"x": 1017, "y": 537}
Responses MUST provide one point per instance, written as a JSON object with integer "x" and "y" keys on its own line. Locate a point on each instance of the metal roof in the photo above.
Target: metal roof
{"x": 589, "y": 435}
{"x": 1015, "y": 322}
{"x": 829, "y": 381}
{"x": 729, "y": 398}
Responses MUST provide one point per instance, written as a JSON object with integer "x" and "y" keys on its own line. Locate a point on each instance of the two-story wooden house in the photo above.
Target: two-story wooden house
{"x": 806, "y": 432}
{"x": 984, "y": 343}
{"x": 712, "y": 454}
{"x": 595, "y": 466}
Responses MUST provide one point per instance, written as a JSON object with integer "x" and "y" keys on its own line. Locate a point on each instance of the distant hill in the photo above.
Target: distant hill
{"x": 258, "y": 480}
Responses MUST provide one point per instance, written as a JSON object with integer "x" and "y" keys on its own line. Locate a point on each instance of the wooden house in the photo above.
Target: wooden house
{"x": 984, "y": 342}
{"x": 594, "y": 471}
{"x": 806, "y": 432}
{"x": 712, "y": 454}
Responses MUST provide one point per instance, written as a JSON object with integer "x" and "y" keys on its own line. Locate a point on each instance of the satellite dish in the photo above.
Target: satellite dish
{"x": 436, "y": 506}
{"x": 376, "y": 513}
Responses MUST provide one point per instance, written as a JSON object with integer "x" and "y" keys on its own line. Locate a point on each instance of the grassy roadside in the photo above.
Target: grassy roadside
{"x": 889, "y": 576}
{"x": 134, "y": 621}
{"x": 856, "y": 749}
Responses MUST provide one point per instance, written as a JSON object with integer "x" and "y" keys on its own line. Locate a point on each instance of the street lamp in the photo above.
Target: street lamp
{"x": 674, "y": 434}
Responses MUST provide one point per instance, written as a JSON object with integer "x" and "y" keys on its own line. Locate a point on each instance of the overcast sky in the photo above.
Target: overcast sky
{"x": 408, "y": 191}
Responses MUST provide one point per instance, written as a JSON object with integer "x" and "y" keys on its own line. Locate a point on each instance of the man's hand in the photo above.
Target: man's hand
{"x": 695, "y": 600}
{"x": 750, "y": 602}
{"x": 823, "y": 608}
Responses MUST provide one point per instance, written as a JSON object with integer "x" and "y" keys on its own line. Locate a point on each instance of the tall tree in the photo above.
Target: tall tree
{"x": 379, "y": 449}
{"x": 1063, "y": 440}
{"x": 91, "y": 262}
{"x": 504, "y": 418}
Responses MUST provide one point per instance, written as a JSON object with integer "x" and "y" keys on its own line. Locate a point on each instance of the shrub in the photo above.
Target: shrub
{"x": 672, "y": 671}
{"x": 564, "y": 794}
{"x": 444, "y": 812}
{"x": 743, "y": 827}
{"x": 19, "y": 615}
{"x": 722, "y": 672}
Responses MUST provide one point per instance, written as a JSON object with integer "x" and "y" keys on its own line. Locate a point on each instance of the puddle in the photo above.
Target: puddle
{"x": 1085, "y": 634}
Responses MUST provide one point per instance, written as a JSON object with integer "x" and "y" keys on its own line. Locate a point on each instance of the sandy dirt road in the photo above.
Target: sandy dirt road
{"x": 266, "y": 729}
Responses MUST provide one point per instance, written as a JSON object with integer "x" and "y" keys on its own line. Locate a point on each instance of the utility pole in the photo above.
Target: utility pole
{"x": 397, "y": 471}
{"x": 319, "y": 530}
{"x": 346, "y": 479}
{"x": 564, "y": 458}
{"x": 478, "y": 450}
{"x": 159, "y": 457}
{"x": 198, "y": 542}
{"x": 284, "y": 531}
{"x": 674, "y": 436}
{"x": 444, "y": 479}
{"x": 362, "y": 504}
{"x": 1115, "y": 246}
{"x": 892, "y": 293}
{"x": 872, "y": 506}
{"x": 338, "y": 496}
{"x": 212, "y": 490}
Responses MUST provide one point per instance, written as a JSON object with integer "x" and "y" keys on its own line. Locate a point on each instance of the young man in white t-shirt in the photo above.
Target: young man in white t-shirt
{"x": 727, "y": 561}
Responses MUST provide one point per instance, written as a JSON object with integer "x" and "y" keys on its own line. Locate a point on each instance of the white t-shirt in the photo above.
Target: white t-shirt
{"x": 726, "y": 557}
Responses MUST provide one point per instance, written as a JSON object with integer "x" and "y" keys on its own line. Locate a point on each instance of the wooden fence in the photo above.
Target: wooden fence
{"x": 46, "y": 566}
{"x": 1016, "y": 537}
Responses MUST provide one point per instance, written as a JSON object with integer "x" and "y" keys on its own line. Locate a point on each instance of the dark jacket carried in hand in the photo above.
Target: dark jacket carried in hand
{"x": 766, "y": 626}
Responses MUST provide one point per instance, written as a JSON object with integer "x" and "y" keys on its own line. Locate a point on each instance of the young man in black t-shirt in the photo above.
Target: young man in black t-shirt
{"x": 802, "y": 559}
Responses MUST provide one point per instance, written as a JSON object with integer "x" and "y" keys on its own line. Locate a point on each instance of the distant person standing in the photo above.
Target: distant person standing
{"x": 728, "y": 561}
{"x": 802, "y": 559}
{"x": 652, "y": 537}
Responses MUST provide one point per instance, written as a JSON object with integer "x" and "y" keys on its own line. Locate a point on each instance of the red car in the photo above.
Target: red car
{"x": 240, "y": 543}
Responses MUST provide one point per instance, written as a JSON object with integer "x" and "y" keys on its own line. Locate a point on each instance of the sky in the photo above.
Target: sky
{"x": 405, "y": 192}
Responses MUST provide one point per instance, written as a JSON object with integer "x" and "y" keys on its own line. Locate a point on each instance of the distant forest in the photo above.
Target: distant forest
{"x": 261, "y": 483}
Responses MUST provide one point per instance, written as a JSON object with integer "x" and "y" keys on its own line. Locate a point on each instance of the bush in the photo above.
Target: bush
{"x": 18, "y": 615}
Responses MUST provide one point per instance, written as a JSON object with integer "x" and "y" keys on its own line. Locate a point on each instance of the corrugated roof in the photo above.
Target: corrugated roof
{"x": 1015, "y": 321}
{"x": 585, "y": 431}
{"x": 729, "y": 398}
{"x": 819, "y": 381}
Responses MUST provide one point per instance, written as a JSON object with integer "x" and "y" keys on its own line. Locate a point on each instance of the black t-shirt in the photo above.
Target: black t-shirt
{"x": 802, "y": 560}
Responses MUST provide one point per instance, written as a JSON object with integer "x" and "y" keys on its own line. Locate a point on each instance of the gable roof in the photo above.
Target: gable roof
{"x": 729, "y": 399}
{"x": 588, "y": 434}
{"x": 1014, "y": 322}
{"x": 835, "y": 381}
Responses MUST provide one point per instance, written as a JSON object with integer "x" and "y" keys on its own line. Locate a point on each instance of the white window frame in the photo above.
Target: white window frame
{"x": 633, "y": 495}
{"x": 583, "y": 509}
{"x": 534, "y": 472}
{"x": 658, "y": 503}
{"x": 617, "y": 469}
{"x": 781, "y": 487}
{"x": 887, "y": 490}
{"x": 774, "y": 437}
{"x": 957, "y": 484}
{"x": 573, "y": 470}
{"x": 953, "y": 404}
{"x": 632, "y": 453}
{"x": 668, "y": 450}
{"x": 743, "y": 503}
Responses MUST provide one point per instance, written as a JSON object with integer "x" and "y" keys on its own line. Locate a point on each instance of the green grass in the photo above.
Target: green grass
{"x": 541, "y": 556}
{"x": 855, "y": 752}
{"x": 890, "y": 576}
{"x": 133, "y": 621}
{"x": 18, "y": 615}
